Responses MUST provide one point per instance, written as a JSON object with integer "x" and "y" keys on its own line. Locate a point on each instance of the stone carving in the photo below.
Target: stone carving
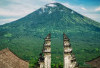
{"x": 69, "y": 59}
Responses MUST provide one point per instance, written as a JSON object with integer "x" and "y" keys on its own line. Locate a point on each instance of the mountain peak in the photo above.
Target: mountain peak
{"x": 54, "y": 18}
{"x": 48, "y": 8}
{"x": 54, "y": 4}
{"x": 51, "y": 7}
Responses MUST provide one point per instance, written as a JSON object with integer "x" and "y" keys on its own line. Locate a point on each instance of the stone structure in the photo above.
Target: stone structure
{"x": 41, "y": 61}
{"x": 69, "y": 59}
{"x": 47, "y": 52}
{"x": 9, "y": 60}
{"x": 45, "y": 61}
{"x": 45, "y": 56}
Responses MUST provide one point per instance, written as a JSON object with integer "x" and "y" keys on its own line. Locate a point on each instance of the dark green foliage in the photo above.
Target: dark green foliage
{"x": 25, "y": 36}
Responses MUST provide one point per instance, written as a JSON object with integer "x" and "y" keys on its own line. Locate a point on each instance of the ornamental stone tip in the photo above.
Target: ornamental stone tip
{"x": 65, "y": 37}
{"x": 48, "y": 36}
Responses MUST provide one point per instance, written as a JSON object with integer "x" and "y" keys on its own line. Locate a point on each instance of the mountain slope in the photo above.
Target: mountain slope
{"x": 25, "y": 36}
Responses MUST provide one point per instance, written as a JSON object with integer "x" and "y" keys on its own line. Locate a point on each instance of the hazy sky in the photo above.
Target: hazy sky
{"x": 11, "y": 10}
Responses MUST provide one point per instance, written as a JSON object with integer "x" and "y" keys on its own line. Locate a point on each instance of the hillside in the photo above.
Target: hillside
{"x": 25, "y": 36}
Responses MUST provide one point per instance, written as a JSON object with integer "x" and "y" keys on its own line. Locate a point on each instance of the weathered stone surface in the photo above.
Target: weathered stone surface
{"x": 9, "y": 60}
{"x": 69, "y": 59}
{"x": 47, "y": 60}
{"x": 47, "y": 51}
{"x": 41, "y": 64}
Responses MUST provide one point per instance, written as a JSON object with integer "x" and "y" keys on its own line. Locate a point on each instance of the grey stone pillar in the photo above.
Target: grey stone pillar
{"x": 41, "y": 61}
{"x": 47, "y": 51}
{"x": 69, "y": 59}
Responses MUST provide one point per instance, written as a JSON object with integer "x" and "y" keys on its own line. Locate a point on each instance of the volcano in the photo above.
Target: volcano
{"x": 25, "y": 36}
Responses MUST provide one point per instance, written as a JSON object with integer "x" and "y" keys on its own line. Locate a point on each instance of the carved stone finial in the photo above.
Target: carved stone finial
{"x": 47, "y": 42}
{"x": 48, "y": 36}
{"x": 69, "y": 58}
{"x": 66, "y": 41}
{"x": 65, "y": 37}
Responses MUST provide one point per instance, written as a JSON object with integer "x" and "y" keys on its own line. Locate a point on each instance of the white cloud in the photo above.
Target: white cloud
{"x": 94, "y": 16}
{"x": 88, "y": 13}
{"x": 22, "y": 7}
{"x": 51, "y": 5}
{"x": 9, "y": 12}
{"x": 83, "y": 8}
{"x": 67, "y": 5}
{"x": 19, "y": 8}
{"x": 75, "y": 7}
{"x": 97, "y": 9}
{"x": 3, "y": 21}
{"x": 47, "y": 1}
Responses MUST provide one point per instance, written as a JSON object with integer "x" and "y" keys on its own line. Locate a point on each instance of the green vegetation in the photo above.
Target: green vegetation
{"x": 25, "y": 37}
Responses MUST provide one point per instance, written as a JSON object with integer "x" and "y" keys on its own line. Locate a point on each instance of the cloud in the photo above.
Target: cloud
{"x": 3, "y": 21}
{"x": 47, "y": 1}
{"x": 97, "y": 9}
{"x": 67, "y": 5}
{"x": 19, "y": 8}
{"x": 83, "y": 8}
{"x": 75, "y": 7}
{"x": 94, "y": 16}
{"x": 16, "y": 9}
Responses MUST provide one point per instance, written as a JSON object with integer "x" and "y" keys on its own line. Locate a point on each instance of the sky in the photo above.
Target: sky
{"x": 11, "y": 10}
